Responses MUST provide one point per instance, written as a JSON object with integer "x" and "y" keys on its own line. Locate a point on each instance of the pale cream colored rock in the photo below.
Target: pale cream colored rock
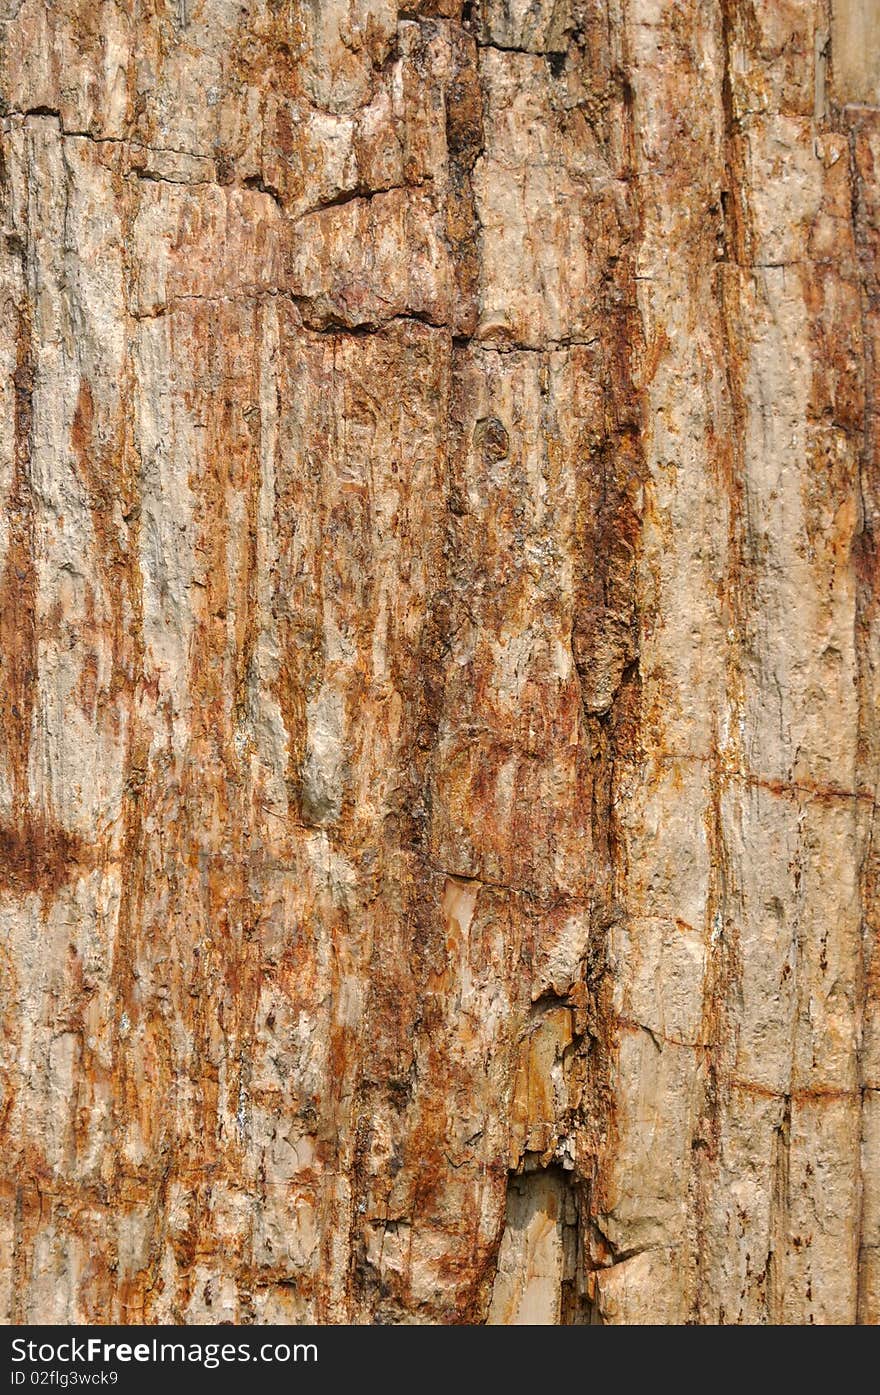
{"x": 439, "y": 637}
{"x": 855, "y": 36}
{"x": 533, "y": 1259}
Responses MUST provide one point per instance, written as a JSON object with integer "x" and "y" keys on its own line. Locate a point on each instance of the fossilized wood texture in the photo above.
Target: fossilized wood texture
{"x": 440, "y": 641}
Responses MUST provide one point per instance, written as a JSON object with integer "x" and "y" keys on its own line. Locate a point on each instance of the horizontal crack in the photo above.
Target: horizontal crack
{"x": 774, "y": 786}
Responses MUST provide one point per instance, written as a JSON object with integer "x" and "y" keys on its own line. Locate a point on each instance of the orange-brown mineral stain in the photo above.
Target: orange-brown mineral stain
{"x": 36, "y": 854}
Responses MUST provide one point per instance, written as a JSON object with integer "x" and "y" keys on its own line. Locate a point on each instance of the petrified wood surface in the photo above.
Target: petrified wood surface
{"x": 439, "y": 631}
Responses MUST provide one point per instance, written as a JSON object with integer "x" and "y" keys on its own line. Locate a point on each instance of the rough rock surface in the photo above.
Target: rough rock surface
{"x": 440, "y": 644}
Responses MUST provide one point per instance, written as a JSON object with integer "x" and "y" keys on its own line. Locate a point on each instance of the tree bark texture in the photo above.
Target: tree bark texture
{"x": 440, "y": 643}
